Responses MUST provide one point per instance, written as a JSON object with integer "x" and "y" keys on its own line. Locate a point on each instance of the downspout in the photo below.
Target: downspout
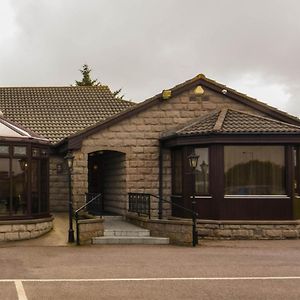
{"x": 160, "y": 179}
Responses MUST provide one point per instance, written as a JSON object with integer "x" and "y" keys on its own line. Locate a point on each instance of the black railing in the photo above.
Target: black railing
{"x": 96, "y": 206}
{"x": 85, "y": 206}
{"x": 140, "y": 203}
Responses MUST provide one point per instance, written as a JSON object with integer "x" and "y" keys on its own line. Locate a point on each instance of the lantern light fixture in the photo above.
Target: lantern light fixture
{"x": 193, "y": 160}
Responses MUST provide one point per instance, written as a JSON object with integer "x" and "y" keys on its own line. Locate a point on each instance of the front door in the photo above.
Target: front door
{"x": 95, "y": 182}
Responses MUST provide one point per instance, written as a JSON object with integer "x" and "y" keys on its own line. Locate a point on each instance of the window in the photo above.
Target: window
{"x": 202, "y": 172}
{"x": 19, "y": 184}
{"x": 254, "y": 170}
{"x": 20, "y": 151}
{"x": 23, "y": 181}
{"x": 296, "y": 159}
{"x": 4, "y": 186}
{"x": 34, "y": 186}
{"x": 4, "y": 150}
{"x": 177, "y": 172}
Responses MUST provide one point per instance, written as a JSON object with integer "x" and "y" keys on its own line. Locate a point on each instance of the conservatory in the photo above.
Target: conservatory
{"x": 23, "y": 182}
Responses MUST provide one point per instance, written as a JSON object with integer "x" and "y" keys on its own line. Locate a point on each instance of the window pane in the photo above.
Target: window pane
{"x": 296, "y": 152}
{"x": 44, "y": 191}
{"x": 4, "y": 149}
{"x": 254, "y": 170}
{"x": 202, "y": 172}
{"x": 34, "y": 187}
{"x": 19, "y": 150}
{"x": 177, "y": 172}
{"x": 4, "y": 186}
{"x": 19, "y": 194}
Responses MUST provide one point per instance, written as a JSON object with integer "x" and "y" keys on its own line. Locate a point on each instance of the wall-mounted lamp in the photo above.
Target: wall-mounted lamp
{"x": 59, "y": 168}
{"x": 23, "y": 164}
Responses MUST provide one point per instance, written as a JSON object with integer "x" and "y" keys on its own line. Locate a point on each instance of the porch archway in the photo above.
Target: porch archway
{"x": 107, "y": 176}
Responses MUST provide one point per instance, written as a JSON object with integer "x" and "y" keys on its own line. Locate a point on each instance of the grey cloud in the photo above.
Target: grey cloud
{"x": 146, "y": 46}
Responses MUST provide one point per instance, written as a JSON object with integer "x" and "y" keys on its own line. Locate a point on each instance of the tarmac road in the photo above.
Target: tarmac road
{"x": 213, "y": 270}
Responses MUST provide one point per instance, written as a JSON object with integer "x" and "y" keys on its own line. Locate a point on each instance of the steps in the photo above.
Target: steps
{"x": 117, "y": 231}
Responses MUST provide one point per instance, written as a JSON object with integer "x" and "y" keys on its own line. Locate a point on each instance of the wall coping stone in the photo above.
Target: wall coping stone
{"x": 243, "y": 222}
{"x": 27, "y": 221}
{"x": 92, "y": 220}
{"x": 249, "y": 222}
{"x": 159, "y": 221}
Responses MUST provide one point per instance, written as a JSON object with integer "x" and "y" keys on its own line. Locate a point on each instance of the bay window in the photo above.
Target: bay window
{"x": 254, "y": 170}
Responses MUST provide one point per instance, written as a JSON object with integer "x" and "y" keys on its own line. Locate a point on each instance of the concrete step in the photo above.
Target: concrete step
{"x": 127, "y": 232}
{"x": 108, "y": 240}
{"x": 116, "y": 226}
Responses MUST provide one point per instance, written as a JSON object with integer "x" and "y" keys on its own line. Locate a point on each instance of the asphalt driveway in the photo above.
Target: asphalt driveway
{"x": 213, "y": 270}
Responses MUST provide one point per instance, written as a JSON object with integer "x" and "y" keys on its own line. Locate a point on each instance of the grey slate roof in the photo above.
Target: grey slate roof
{"x": 229, "y": 121}
{"x": 57, "y": 112}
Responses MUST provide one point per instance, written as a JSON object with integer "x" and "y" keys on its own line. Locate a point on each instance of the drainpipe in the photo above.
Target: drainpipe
{"x": 160, "y": 183}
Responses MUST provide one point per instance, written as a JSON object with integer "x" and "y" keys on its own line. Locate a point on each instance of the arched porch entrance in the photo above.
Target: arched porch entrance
{"x": 107, "y": 176}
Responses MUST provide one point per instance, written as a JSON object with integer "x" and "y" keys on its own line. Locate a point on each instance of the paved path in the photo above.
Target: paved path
{"x": 214, "y": 270}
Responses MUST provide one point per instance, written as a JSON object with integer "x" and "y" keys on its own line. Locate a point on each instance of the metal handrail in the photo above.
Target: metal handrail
{"x": 77, "y": 215}
{"x": 175, "y": 204}
{"x": 140, "y": 209}
{"x": 191, "y": 211}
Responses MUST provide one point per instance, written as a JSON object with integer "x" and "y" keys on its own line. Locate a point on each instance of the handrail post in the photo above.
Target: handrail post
{"x": 77, "y": 214}
{"x": 194, "y": 217}
{"x": 77, "y": 229}
{"x": 149, "y": 206}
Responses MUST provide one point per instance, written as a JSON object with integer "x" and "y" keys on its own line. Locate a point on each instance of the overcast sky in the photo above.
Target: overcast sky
{"x": 145, "y": 46}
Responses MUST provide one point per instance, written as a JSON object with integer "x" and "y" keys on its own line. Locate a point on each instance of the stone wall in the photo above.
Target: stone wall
{"x": 178, "y": 231}
{"x": 138, "y": 137}
{"x": 89, "y": 228}
{"x": 114, "y": 186}
{"x": 250, "y": 230}
{"x": 58, "y": 185}
{"x": 15, "y": 230}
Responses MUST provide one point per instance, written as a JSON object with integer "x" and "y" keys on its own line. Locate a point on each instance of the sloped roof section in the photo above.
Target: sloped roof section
{"x": 10, "y": 129}
{"x": 272, "y": 112}
{"x": 57, "y": 112}
{"x": 229, "y": 121}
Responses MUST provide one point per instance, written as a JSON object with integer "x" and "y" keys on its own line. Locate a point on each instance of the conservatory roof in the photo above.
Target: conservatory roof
{"x": 9, "y": 129}
{"x": 229, "y": 121}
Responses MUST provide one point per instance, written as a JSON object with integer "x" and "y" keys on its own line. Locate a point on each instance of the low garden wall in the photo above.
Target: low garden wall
{"x": 178, "y": 231}
{"x": 252, "y": 230}
{"x": 14, "y": 230}
{"x": 89, "y": 228}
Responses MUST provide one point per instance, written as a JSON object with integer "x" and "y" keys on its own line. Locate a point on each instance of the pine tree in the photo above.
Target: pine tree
{"x": 117, "y": 94}
{"x": 86, "y": 79}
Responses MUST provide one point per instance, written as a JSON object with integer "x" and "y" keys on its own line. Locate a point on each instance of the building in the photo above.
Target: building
{"x": 246, "y": 182}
